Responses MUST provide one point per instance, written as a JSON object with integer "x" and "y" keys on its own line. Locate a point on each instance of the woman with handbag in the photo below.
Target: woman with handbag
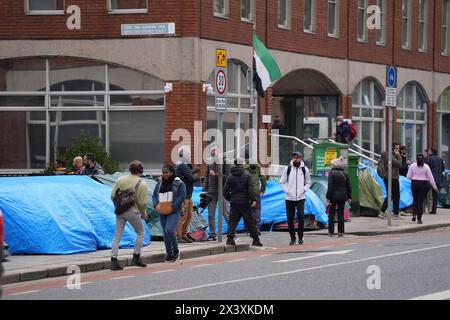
{"x": 168, "y": 196}
{"x": 339, "y": 191}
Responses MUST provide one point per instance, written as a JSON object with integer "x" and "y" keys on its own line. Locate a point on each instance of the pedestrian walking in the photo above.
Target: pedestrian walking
{"x": 338, "y": 192}
{"x": 189, "y": 175}
{"x": 133, "y": 215}
{"x": 298, "y": 180}
{"x": 395, "y": 185}
{"x": 211, "y": 187}
{"x": 421, "y": 178}
{"x": 240, "y": 192}
{"x": 168, "y": 197}
{"x": 437, "y": 167}
{"x": 259, "y": 183}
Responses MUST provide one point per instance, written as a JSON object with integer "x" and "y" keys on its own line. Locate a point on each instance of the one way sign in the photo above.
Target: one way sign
{"x": 391, "y": 86}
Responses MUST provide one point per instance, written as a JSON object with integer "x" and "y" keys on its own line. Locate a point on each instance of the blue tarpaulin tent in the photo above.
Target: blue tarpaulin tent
{"x": 273, "y": 207}
{"x": 59, "y": 215}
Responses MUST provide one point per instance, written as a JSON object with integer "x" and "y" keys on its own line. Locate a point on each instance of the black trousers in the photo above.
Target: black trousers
{"x": 435, "y": 201}
{"x": 395, "y": 196}
{"x": 236, "y": 212}
{"x": 290, "y": 212}
{"x": 420, "y": 189}
{"x": 340, "y": 213}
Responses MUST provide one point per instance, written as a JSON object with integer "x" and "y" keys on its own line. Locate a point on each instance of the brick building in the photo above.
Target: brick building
{"x": 72, "y": 65}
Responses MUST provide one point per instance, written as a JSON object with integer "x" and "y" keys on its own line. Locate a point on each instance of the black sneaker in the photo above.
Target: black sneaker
{"x": 176, "y": 256}
{"x": 211, "y": 238}
{"x": 257, "y": 243}
{"x": 419, "y": 222}
{"x": 185, "y": 240}
{"x": 231, "y": 242}
{"x": 340, "y": 235}
{"x": 414, "y": 218}
{"x": 292, "y": 242}
{"x": 300, "y": 241}
{"x": 115, "y": 266}
{"x": 168, "y": 259}
{"x": 137, "y": 262}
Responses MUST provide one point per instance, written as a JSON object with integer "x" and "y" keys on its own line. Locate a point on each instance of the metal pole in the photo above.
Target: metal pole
{"x": 220, "y": 176}
{"x": 389, "y": 148}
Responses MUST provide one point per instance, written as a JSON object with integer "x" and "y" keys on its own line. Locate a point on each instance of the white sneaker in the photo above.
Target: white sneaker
{"x": 235, "y": 239}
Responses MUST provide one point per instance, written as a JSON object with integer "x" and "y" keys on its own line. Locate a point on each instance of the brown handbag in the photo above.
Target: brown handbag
{"x": 164, "y": 208}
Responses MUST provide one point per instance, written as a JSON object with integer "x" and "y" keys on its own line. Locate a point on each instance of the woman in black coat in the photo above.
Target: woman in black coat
{"x": 339, "y": 191}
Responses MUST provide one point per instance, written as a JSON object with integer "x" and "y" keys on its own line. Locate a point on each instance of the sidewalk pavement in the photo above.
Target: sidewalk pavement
{"x": 20, "y": 268}
{"x": 370, "y": 226}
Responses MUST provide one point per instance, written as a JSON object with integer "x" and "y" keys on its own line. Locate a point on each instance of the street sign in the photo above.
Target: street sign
{"x": 391, "y": 77}
{"x": 148, "y": 29}
{"x": 391, "y": 97}
{"x": 221, "y": 58}
{"x": 221, "y": 82}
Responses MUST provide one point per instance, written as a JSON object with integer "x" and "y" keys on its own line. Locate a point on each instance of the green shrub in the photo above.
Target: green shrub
{"x": 87, "y": 144}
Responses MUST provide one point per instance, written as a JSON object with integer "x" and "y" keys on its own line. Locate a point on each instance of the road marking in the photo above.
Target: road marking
{"x": 237, "y": 260}
{"x": 168, "y": 270}
{"x": 320, "y": 254}
{"x": 25, "y": 292}
{"x": 272, "y": 275}
{"x": 84, "y": 283}
{"x": 444, "y": 295}
{"x": 125, "y": 277}
{"x": 202, "y": 265}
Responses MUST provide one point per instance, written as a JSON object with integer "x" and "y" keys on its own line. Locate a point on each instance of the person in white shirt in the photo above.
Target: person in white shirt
{"x": 295, "y": 181}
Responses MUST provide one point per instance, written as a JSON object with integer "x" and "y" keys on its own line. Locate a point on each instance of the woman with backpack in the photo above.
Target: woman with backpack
{"x": 339, "y": 191}
{"x": 422, "y": 178}
{"x": 168, "y": 196}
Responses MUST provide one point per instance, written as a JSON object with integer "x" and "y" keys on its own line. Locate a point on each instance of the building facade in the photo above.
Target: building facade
{"x": 73, "y": 65}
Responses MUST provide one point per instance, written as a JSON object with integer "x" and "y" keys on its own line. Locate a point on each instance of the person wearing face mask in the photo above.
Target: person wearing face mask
{"x": 298, "y": 180}
{"x": 421, "y": 178}
{"x": 258, "y": 177}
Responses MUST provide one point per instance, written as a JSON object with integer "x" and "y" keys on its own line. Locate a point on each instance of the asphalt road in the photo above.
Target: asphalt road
{"x": 374, "y": 268}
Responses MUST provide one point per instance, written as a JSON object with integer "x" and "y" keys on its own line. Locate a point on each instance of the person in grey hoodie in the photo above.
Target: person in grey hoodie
{"x": 298, "y": 180}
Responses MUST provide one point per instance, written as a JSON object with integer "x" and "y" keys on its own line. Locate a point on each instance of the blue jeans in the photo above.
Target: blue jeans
{"x": 169, "y": 224}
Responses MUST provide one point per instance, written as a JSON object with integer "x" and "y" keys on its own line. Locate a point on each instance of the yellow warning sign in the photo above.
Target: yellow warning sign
{"x": 330, "y": 155}
{"x": 221, "y": 58}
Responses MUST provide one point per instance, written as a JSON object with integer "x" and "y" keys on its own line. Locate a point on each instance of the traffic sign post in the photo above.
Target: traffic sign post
{"x": 391, "y": 102}
{"x": 221, "y": 101}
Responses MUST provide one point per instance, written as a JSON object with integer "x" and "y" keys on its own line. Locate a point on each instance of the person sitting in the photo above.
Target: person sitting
{"x": 91, "y": 167}
{"x": 78, "y": 166}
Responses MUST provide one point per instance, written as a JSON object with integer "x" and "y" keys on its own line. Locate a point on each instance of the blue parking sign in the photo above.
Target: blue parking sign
{"x": 391, "y": 77}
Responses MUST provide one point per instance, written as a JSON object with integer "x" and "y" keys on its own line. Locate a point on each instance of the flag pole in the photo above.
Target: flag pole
{"x": 253, "y": 104}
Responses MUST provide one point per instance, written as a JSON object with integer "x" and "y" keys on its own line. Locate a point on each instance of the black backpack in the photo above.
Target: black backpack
{"x": 124, "y": 199}
{"x": 304, "y": 174}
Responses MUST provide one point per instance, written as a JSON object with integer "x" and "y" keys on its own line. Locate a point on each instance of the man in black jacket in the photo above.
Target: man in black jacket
{"x": 189, "y": 176}
{"x": 437, "y": 167}
{"x": 240, "y": 192}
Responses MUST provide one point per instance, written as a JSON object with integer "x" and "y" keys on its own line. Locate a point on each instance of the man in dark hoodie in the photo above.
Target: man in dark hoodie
{"x": 240, "y": 192}
{"x": 90, "y": 166}
{"x": 396, "y": 165}
{"x": 189, "y": 176}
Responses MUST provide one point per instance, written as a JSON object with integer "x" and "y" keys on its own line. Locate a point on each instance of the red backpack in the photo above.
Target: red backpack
{"x": 353, "y": 130}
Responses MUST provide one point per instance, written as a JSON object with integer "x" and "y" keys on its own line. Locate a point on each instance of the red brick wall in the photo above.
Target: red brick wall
{"x": 442, "y": 63}
{"x": 184, "y": 105}
{"x": 345, "y": 106}
{"x": 431, "y": 124}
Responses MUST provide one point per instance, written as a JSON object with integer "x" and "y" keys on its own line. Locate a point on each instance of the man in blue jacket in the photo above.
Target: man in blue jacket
{"x": 437, "y": 167}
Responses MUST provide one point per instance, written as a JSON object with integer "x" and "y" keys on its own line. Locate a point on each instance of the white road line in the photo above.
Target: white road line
{"x": 320, "y": 254}
{"x": 444, "y": 295}
{"x": 280, "y": 273}
{"x": 237, "y": 260}
{"x": 84, "y": 283}
{"x": 168, "y": 270}
{"x": 125, "y": 277}
{"x": 202, "y": 265}
{"x": 25, "y": 292}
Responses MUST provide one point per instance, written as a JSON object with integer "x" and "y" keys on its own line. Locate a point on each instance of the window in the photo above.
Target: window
{"x": 333, "y": 18}
{"x": 406, "y": 24}
{"x": 445, "y": 27}
{"x": 368, "y": 115}
{"x": 127, "y": 6}
{"x": 444, "y": 126}
{"x": 309, "y": 12}
{"x": 44, "y": 7}
{"x": 411, "y": 119}
{"x": 284, "y": 13}
{"x": 221, "y": 8}
{"x": 247, "y": 10}
{"x": 423, "y": 25}
{"x": 362, "y": 20}
{"x": 381, "y": 33}
{"x": 67, "y": 95}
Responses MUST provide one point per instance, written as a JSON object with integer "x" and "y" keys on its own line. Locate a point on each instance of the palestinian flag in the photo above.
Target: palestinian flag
{"x": 265, "y": 69}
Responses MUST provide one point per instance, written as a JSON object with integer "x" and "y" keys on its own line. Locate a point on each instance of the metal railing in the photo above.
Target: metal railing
{"x": 358, "y": 153}
{"x": 294, "y": 138}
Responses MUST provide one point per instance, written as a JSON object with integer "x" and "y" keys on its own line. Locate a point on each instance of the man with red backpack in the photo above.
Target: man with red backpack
{"x": 346, "y": 131}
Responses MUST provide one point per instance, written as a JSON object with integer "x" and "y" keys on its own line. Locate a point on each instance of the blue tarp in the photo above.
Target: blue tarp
{"x": 59, "y": 215}
{"x": 406, "y": 198}
{"x": 273, "y": 207}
